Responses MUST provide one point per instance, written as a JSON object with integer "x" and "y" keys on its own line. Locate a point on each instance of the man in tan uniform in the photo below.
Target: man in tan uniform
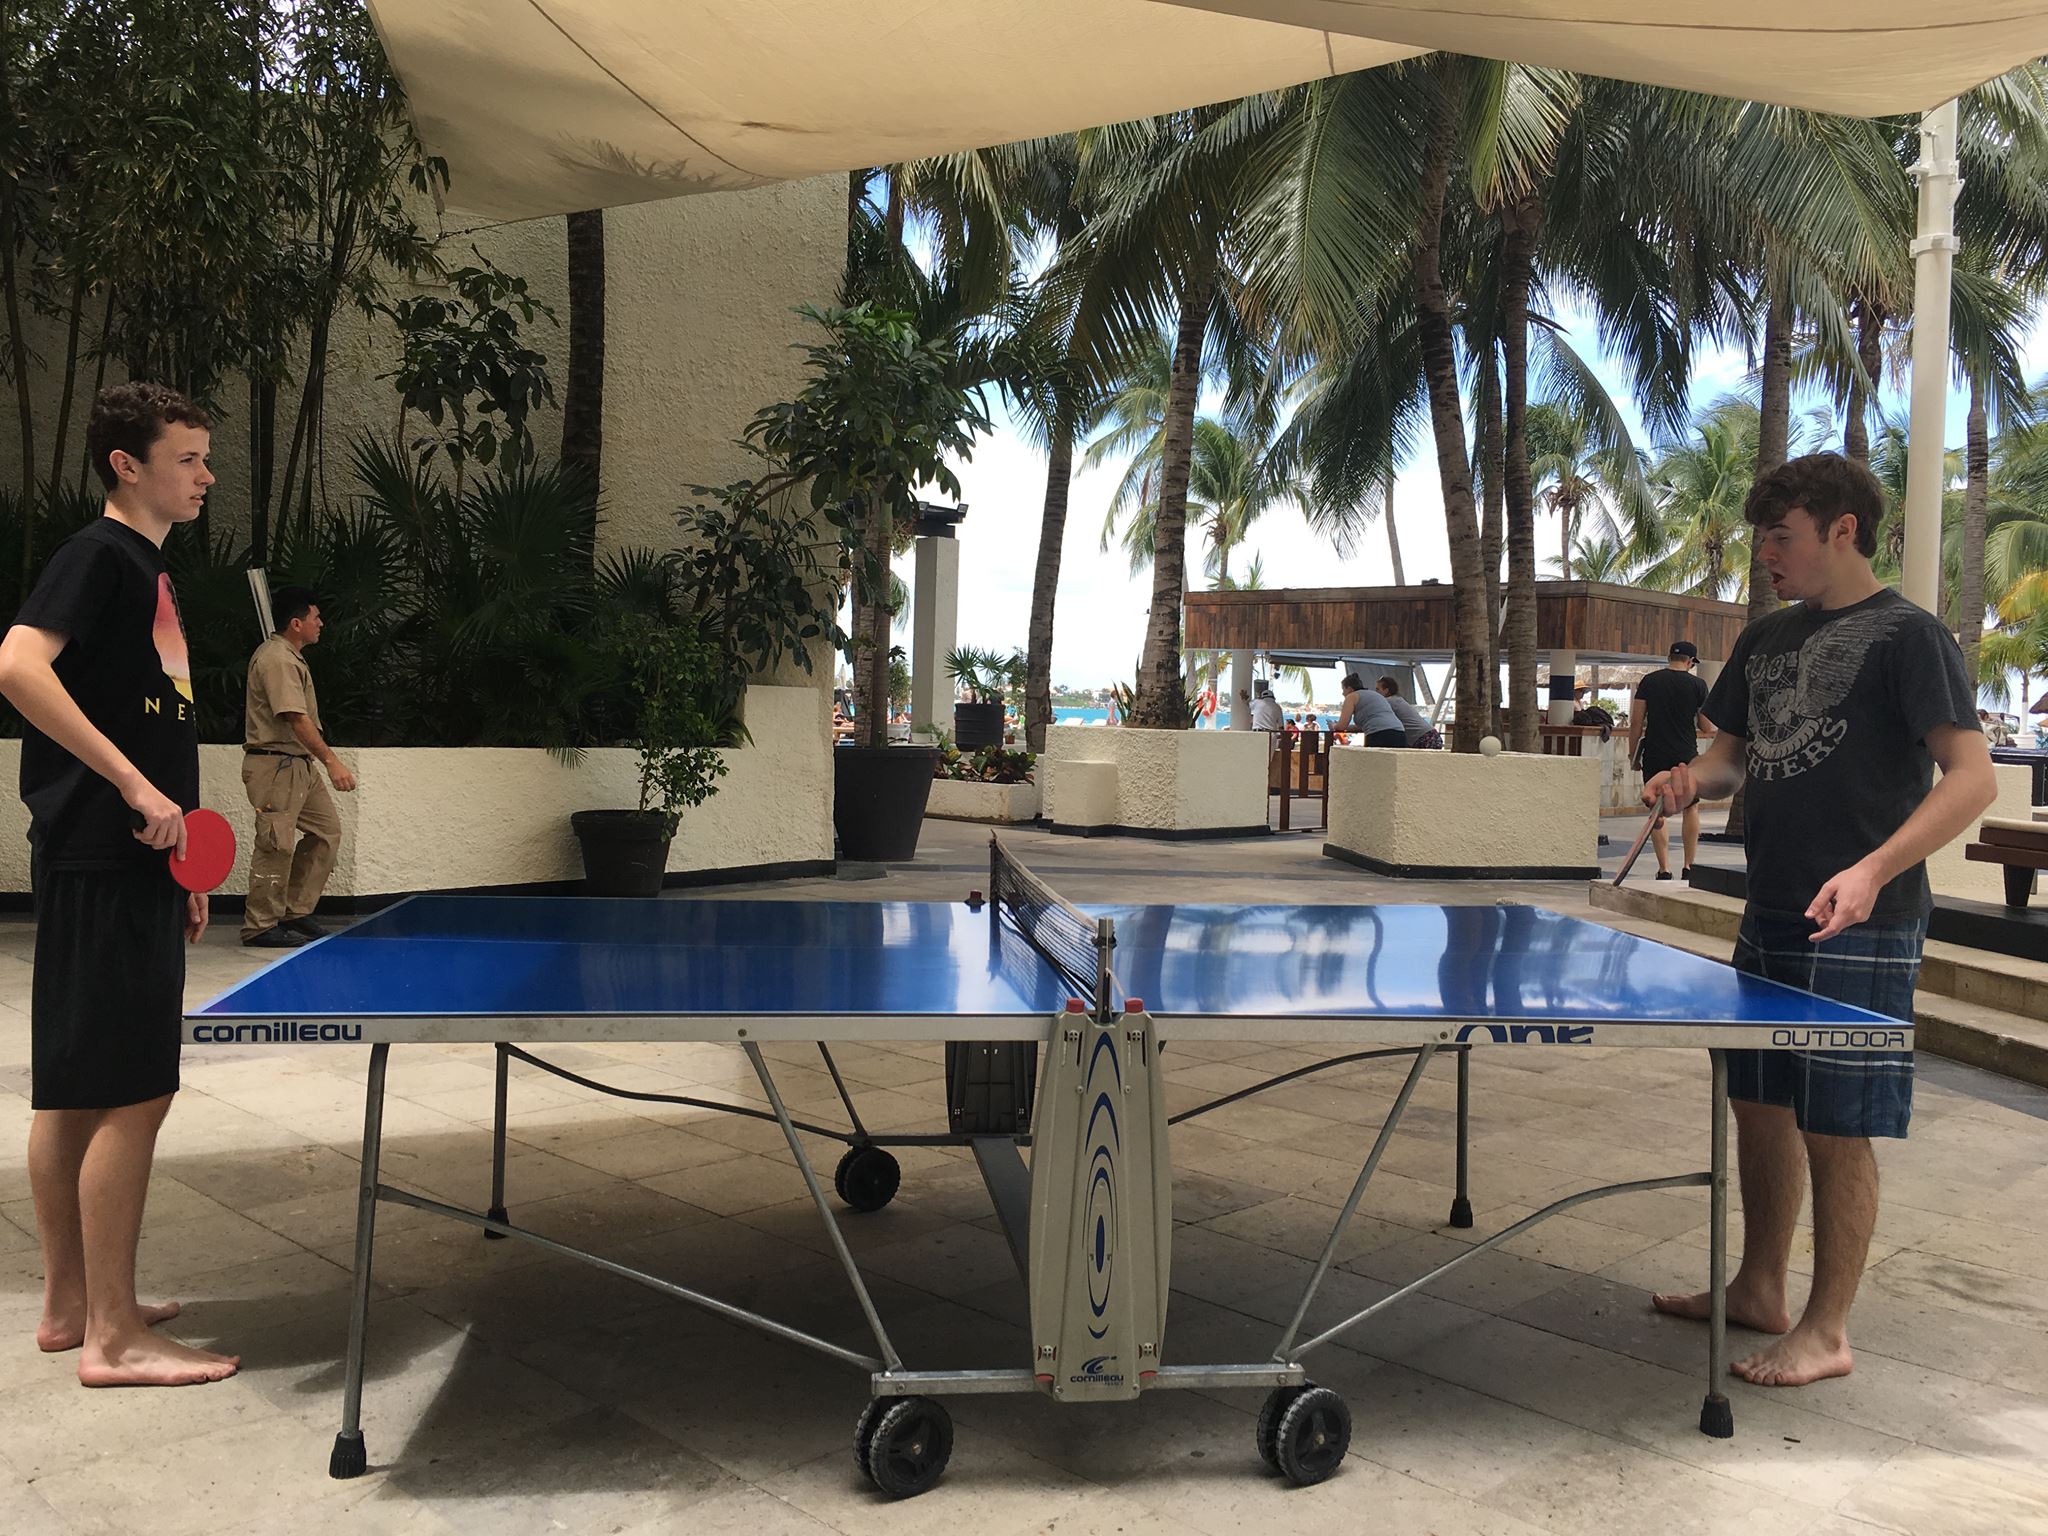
{"x": 281, "y": 742}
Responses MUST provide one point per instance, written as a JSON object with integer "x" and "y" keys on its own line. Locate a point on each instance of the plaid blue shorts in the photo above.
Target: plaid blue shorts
{"x": 1833, "y": 1093}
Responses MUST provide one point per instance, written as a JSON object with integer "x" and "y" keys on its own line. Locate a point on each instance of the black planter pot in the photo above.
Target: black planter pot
{"x": 878, "y": 800}
{"x": 625, "y": 853}
{"x": 977, "y": 725}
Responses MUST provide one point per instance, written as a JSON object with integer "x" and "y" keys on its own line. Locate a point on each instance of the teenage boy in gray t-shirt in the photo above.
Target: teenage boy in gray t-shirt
{"x": 1833, "y": 714}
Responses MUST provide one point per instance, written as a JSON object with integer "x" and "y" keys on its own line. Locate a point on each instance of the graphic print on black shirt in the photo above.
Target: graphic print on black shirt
{"x": 126, "y": 665}
{"x": 1834, "y": 707}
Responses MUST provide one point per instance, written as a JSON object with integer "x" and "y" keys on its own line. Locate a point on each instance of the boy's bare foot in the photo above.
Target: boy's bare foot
{"x": 1802, "y": 1356}
{"x": 148, "y": 1360}
{"x": 56, "y": 1334}
{"x": 1763, "y": 1313}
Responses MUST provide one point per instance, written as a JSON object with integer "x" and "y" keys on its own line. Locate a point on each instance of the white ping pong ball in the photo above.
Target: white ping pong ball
{"x": 1489, "y": 746}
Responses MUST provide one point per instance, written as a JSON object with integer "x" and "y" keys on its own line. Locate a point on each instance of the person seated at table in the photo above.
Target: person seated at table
{"x": 1413, "y": 721}
{"x": 1996, "y": 731}
{"x": 1369, "y": 713}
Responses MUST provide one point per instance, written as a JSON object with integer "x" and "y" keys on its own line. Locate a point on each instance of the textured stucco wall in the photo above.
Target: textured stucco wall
{"x": 425, "y": 818}
{"x": 1168, "y": 780}
{"x": 699, "y": 293}
{"x": 1457, "y": 810}
{"x": 1950, "y": 874}
{"x": 961, "y": 800}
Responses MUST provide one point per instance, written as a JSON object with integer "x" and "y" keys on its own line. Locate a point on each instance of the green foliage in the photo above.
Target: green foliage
{"x": 988, "y": 765}
{"x": 677, "y": 687}
{"x": 465, "y": 368}
{"x": 1124, "y": 696}
{"x": 989, "y": 675}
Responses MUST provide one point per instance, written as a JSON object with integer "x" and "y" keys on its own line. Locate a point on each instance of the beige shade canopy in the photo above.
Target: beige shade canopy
{"x": 545, "y": 106}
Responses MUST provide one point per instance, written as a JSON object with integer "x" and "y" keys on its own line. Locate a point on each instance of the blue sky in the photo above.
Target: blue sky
{"x": 1100, "y": 618}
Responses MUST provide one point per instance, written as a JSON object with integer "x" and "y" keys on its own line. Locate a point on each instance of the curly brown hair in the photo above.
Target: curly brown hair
{"x": 131, "y": 417}
{"x": 1826, "y": 487}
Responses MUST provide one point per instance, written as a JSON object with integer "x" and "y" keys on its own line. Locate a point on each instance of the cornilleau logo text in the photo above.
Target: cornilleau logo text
{"x": 1094, "y": 1370}
{"x": 1841, "y": 1039}
{"x": 284, "y": 1032}
{"x": 1528, "y": 1034}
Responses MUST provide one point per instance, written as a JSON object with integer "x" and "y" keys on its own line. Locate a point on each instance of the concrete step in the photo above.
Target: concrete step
{"x": 2002, "y": 982}
{"x": 2012, "y": 1044}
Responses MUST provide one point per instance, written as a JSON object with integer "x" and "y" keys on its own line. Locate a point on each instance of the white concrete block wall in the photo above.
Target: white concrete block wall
{"x": 425, "y": 818}
{"x": 1166, "y": 781}
{"x": 1449, "y": 811}
{"x": 965, "y": 800}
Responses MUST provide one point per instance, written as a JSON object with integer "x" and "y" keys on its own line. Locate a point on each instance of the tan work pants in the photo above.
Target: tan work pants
{"x": 298, "y": 832}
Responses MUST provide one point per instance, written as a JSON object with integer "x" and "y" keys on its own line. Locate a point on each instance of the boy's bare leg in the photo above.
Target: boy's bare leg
{"x": 57, "y": 1140}
{"x": 1690, "y": 828}
{"x": 1844, "y": 1214}
{"x": 1772, "y": 1161}
{"x": 113, "y": 1184}
{"x": 1660, "y": 844}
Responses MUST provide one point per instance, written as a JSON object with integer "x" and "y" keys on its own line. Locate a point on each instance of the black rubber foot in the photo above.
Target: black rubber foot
{"x": 350, "y": 1458}
{"x": 496, "y": 1213}
{"x": 1461, "y": 1212}
{"x": 1717, "y": 1418}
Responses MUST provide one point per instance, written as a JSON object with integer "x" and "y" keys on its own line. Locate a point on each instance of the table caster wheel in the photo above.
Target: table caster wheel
{"x": 907, "y": 1445}
{"x": 864, "y": 1433}
{"x": 1313, "y": 1434}
{"x": 867, "y": 1178}
{"x": 1268, "y": 1431}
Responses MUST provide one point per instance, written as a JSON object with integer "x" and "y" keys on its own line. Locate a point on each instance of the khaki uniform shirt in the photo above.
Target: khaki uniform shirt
{"x": 280, "y": 683}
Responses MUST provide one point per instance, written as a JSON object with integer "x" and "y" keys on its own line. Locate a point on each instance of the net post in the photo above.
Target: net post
{"x": 1105, "y": 943}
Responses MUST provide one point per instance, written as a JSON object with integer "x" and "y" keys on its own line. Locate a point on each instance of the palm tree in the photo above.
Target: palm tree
{"x": 1701, "y": 484}
{"x": 1233, "y": 479}
{"x": 1162, "y": 248}
{"x": 1582, "y": 475}
{"x": 1598, "y": 559}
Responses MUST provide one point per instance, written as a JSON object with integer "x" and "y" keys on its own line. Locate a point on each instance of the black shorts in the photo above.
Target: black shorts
{"x": 1652, "y": 766}
{"x": 108, "y": 995}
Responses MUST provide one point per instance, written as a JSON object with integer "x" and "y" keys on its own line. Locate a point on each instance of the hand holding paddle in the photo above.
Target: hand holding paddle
{"x": 201, "y": 845}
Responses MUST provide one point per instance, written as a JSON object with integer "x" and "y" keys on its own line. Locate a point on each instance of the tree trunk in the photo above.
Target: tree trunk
{"x": 1773, "y": 434}
{"x": 1447, "y": 422}
{"x": 871, "y": 635}
{"x": 1393, "y": 533}
{"x": 302, "y": 422}
{"x": 1491, "y": 471}
{"x": 1525, "y": 223}
{"x": 70, "y": 386}
{"x": 17, "y": 362}
{"x": 262, "y": 464}
{"x": 1870, "y": 354}
{"x": 1052, "y": 531}
{"x": 583, "y": 395}
{"x": 1976, "y": 490}
{"x": 1161, "y": 700}
{"x": 99, "y": 379}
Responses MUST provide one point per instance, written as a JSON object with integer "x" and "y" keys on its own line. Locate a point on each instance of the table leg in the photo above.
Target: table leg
{"x": 1461, "y": 1203}
{"x": 497, "y": 1206}
{"x": 890, "y": 1359}
{"x": 349, "y": 1458}
{"x": 1717, "y": 1418}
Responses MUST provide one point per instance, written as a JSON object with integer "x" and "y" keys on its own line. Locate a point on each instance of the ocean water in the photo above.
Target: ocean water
{"x": 1063, "y": 715}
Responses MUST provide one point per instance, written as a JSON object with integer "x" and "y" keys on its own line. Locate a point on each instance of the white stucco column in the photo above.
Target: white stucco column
{"x": 1240, "y": 685}
{"x": 1934, "y": 251}
{"x": 934, "y": 628}
{"x": 1564, "y": 669}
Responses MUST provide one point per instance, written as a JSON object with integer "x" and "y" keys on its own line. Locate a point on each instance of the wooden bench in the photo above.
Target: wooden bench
{"x": 2021, "y": 846}
{"x": 1299, "y": 770}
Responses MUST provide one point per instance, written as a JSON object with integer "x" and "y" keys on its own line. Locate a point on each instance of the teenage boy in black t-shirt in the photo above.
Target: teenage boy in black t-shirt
{"x": 1833, "y": 714}
{"x": 97, "y": 666}
{"x": 1665, "y": 717}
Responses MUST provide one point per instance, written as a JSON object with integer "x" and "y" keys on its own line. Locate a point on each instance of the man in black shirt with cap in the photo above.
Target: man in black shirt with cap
{"x": 1665, "y": 718}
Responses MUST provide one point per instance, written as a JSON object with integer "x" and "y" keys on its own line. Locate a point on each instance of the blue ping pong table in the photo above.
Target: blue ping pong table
{"x": 1089, "y": 1218}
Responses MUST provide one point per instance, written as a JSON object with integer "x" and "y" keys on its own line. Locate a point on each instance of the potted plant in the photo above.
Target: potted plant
{"x": 676, "y": 678}
{"x": 878, "y": 418}
{"x": 992, "y": 679}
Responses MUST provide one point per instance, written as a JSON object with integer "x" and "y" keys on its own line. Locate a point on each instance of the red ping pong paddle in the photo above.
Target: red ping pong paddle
{"x": 209, "y": 852}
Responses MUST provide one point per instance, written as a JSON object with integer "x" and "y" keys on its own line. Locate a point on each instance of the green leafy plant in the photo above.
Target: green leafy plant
{"x": 988, "y": 765}
{"x": 675, "y": 677}
{"x": 1124, "y": 696}
{"x": 990, "y": 676}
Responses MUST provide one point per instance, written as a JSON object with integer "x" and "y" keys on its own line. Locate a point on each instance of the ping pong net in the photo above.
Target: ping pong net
{"x": 1023, "y": 906}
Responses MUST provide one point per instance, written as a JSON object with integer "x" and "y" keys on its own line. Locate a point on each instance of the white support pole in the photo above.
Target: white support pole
{"x": 1240, "y": 686}
{"x": 1934, "y": 251}
{"x": 1564, "y": 672}
{"x": 934, "y": 623}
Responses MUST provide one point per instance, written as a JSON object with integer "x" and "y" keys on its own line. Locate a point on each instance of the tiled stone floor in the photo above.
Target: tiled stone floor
{"x": 511, "y": 1392}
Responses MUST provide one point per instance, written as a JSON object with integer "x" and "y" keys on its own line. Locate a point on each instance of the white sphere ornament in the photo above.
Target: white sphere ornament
{"x": 1489, "y": 746}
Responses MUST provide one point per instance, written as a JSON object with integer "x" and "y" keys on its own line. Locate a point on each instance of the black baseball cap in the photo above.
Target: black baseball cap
{"x": 1686, "y": 649}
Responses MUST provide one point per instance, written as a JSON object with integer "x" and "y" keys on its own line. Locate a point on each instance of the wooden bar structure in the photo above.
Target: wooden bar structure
{"x": 1601, "y": 622}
